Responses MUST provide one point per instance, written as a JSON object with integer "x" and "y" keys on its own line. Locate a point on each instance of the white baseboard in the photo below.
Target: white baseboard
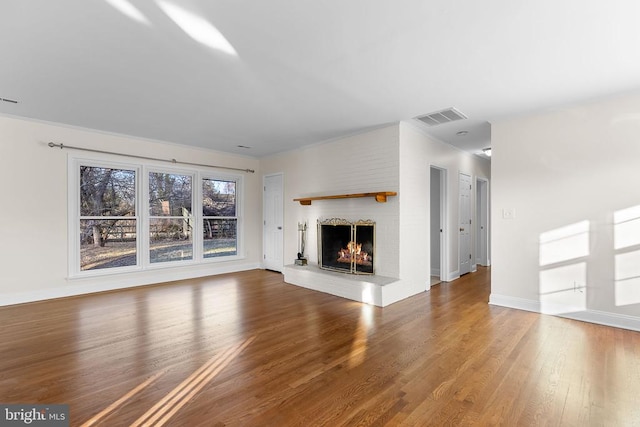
{"x": 592, "y": 316}
{"x": 122, "y": 281}
{"x": 454, "y": 275}
{"x": 513, "y": 302}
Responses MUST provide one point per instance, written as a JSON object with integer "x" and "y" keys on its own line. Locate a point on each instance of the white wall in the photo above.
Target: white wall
{"x": 394, "y": 158}
{"x": 33, "y": 210}
{"x": 415, "y": 242}
{"x": 33, "y": 260}
{"x": 422, "y": 153}
{"x": 355, "y": 164}
{"x": 573, "y": 247}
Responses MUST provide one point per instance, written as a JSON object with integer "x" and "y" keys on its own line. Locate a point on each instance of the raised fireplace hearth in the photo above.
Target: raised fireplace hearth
{"x": 346, "y": 246}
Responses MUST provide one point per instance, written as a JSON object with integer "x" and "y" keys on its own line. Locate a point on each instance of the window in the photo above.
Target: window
{"x": 220, "y": 223}
{"x": 108, "y": 222}
{"x": 127, "y": 217}
{"x": 170, "y": 218}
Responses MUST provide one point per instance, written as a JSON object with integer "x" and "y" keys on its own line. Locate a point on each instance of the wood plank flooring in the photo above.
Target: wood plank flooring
{"x": 247, "y": 349}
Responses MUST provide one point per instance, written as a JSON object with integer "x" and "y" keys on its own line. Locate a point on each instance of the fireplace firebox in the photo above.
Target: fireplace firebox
{"x": 346, "y": 246}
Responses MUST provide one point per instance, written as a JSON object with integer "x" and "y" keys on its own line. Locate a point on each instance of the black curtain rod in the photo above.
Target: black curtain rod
{"x": 61, "y": 146}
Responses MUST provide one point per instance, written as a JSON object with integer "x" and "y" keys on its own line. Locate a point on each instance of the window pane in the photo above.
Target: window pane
{"x": 169, "y": 194}
{"x": 218, "y": 197}
{"x": 171, "y": 239}
{"x": 220, "y": 237}
{"x": 107, "y": 192}
{"x": 107, "y": 243}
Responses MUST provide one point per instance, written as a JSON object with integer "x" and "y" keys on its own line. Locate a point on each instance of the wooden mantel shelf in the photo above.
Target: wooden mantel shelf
{"x": 380, "y": 196}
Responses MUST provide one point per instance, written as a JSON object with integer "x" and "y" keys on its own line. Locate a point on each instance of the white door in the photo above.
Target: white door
{"x": 465, "y": 224}
{"x": 273, "y": 222}
{"x": 482, "y": 222}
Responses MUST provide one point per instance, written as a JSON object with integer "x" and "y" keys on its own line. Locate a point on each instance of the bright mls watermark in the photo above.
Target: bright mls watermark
{"x": 34, "y": 415}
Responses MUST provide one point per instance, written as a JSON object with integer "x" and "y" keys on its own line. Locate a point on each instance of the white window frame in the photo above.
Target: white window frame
{"x": 239, "y": 215}
{"x": 147, "y": 214}
{"x": 142, "y": 216}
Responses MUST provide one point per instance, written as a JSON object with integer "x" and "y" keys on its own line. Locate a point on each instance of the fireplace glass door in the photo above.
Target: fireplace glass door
{"x": 346, "y": 246}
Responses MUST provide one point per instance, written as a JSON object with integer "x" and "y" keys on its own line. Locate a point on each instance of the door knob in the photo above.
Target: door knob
{"x": 461, "y": 229}
{"x": 280, "y": 228}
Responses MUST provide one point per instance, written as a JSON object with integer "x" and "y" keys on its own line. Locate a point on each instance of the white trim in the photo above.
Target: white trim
{"x": 514, "y": 302}
{"x": 144, "y": 234}
{"x": 444, "y": 218}
{"x": 592, "y": 316}
{"x": 142, "y": 170}
{"x": 73, "y": 208}
{"x": 177, "y": 145}
{"x": 454, "y": 275}
{"x": 444, "y": 221}
{"x": 471, "y": 210}
{"x": 487, "y": 213}
{"x": 121, "y": 281}
{"x": 240, "y": 194}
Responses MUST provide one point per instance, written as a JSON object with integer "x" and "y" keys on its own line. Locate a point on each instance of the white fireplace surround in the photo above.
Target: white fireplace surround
{"x": 369, "y": 289}
{"x": 378, "y": 289}
{"x": 395, "y": 158}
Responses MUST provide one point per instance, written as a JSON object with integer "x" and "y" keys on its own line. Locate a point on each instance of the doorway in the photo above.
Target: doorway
{"x": 465, "y": 224}
{"x": 273, "y": 204}
{"x": 482, "y": 222}
{"x": 438, "y": 224}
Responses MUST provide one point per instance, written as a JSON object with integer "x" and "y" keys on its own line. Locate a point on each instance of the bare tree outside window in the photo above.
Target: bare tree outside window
{"x": 220, "y": 221}
{"x": 108, "y": 222}
{"x": 116, "y": 203}
{"x": 170, "y": 217}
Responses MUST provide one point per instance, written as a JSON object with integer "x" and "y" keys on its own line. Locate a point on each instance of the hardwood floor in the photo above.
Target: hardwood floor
{"x": 247, "y": 349}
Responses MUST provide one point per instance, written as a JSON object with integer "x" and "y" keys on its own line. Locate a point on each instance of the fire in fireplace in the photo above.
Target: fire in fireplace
{"x": 346, "y": 246}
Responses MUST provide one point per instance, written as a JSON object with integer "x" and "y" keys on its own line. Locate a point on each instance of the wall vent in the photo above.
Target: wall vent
{"x": 440, "y": 117}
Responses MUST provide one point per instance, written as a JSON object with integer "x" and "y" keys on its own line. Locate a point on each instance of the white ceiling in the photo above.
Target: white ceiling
{"x": 307, "y": 71}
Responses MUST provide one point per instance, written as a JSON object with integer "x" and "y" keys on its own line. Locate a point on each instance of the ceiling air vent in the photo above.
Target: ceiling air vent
{"x": 440, "y": 117}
